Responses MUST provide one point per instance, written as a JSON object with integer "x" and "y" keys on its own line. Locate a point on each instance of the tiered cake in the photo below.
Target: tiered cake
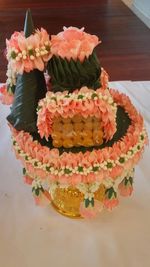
{"x": 78, "y": 140}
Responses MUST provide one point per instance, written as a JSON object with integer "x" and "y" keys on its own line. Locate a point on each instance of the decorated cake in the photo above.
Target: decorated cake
{"x": 78, "y": 140}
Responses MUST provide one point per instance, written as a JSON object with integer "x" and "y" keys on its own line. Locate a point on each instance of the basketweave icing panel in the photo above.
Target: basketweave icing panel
{"x": 77, "y": 131}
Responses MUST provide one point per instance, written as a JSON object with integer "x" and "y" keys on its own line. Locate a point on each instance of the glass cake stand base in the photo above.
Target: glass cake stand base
{"x": 67, "y": 201}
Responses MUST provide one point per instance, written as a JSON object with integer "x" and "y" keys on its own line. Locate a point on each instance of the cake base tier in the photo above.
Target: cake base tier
{"x": 73, "y": 177}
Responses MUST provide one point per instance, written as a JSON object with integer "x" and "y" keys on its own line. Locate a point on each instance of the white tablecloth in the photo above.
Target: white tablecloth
{"x": 31, "y": 236}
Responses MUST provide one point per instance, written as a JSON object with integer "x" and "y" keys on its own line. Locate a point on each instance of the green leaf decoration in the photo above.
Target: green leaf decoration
{"x": 84, "y": 78}
{"x": 122, "y": 160}
{"x": 24, "y": 171}
{"x": 109, "y": 192}
{"x": 80, "y": 96}
{"x": 37, "y": 191}
{"x": 67, "y": 171}
{"x": 131, "y": 180}
{"x": 42, "y": 189}
{"x": 47, "y": 169}
{"x": 94, "y": 95}
{"x": 87, "y": 202}
{"x": 90, "y": 68}
{"x": 80, "y": 169}
{"x": 109, "y": 165}
{"x": 95, "y": 169}
{"x": 11, "y": 89}
{"x": 14, "y": 143}
{"x": 92, "y": 202}
{"x": 13, "y": 54}
{"x": 75, "y": 72}
{"x": 55, "y": 69}
{"x": 70, "y": 75}
{"x": 60, "y": 69}
{"x": 125, "y": 181}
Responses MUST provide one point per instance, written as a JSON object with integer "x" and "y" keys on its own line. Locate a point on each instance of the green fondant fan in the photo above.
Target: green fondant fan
{"x": 30, "y": 88}
{"x": 70, "y": 75}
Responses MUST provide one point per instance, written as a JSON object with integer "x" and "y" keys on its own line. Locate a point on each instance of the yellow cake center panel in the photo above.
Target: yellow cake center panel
{"x": 76, "y": 131}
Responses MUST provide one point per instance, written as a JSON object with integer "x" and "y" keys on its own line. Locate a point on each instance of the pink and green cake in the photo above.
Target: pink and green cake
{"x": 78, "y": 140}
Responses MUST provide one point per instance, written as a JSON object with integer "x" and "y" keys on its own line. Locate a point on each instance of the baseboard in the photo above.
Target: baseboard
{"x": 137, "y": 11}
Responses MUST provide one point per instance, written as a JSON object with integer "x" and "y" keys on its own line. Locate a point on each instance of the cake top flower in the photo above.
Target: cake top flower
{"x": 26, "y": 54}
{"x": 73, "y": 43}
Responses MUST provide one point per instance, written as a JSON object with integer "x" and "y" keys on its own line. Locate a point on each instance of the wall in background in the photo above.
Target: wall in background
{"x": 141, "y": 9}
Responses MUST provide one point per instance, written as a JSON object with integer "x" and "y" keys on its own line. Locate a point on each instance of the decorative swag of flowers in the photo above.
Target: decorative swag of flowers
{"x": 26, "y": 54}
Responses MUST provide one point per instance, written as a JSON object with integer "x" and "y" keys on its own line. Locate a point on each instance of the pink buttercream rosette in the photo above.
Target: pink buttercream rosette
{"x": 5, "y": 96}
{"x": 73, "y": 43}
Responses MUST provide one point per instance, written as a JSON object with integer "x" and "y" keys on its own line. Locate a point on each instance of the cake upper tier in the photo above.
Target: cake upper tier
{"x": 74, "y": 62}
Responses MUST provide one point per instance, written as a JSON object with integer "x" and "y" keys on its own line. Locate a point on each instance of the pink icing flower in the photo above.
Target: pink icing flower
{"x": 6, "y": 97}
{"x": 125, "y": 191}
{"x": 91, "y": 212}
{"x": 126, "y": 187}
{"x": 40, "y": 173}
{"x": 99, "y": 176}
{"x": 30, "y": 168}
{"x": 111, "y": 200}
{"x": 73, "y": 43}
{"x": 89, "y": 178}
{"x": 116, "y": 171}
{"x": 104, "y": 79}
{"x": 111, "y": 203}
{"x": 13, "y": 41}
{"x": 75, "y": 179}
{"x": 27, "y": 179}
{"x": 43, "y": 199}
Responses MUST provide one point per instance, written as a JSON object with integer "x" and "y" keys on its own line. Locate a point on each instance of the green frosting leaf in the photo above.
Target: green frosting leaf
{"x": 109, "y": 192}
{"x": 87, "y": 202}
{"x": 24, "y": 171}
{"x": 131, "y": 180}
{"x": 92, "y": 202}
{"x": 37, "y": 192}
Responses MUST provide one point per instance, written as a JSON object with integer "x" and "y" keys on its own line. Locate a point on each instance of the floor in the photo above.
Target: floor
{"x": 124, "y": 51}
